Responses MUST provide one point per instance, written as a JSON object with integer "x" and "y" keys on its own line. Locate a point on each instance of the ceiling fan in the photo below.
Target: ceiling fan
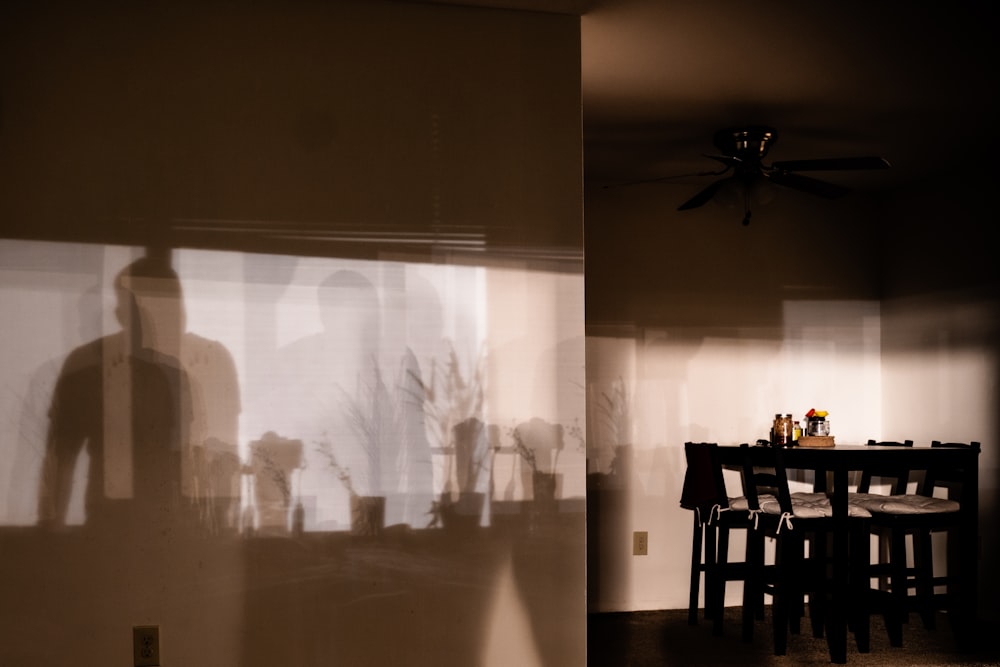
{"x": 742, "y": 153}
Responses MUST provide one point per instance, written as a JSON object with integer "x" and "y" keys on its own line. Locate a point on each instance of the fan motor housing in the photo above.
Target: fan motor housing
{"x": 747, "y": 143}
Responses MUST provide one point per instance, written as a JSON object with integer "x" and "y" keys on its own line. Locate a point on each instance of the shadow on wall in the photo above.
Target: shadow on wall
{"x": 356, "y": 491}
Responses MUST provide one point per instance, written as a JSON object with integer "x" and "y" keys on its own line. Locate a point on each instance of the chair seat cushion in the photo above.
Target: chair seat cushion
{"x": 740, "y": 504}
{"x": 805, "y": 505}
{"x": 909, "y": 503}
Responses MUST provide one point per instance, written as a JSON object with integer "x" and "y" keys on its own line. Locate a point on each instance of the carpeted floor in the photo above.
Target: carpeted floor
{"x": 664, "y": 639}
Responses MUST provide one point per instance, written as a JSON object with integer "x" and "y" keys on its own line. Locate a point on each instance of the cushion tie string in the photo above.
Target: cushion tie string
{"x": 785, "y": 518}
{"x": 717, "y": 511}
{"x": 753, "y": 514}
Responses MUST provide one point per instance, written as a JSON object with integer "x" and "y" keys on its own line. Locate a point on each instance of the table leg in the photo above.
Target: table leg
{"x": 860, "y": 584}
{"x": 836, "y": 629}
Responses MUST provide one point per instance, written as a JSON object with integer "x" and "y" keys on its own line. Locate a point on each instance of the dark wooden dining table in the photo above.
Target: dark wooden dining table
{"x": 833, "y": 467}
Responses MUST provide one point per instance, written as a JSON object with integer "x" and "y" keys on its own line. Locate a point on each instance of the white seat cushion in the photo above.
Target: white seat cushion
{"x": 909, "y": 503}
{"x": 814, "y": 505}
{"x": 741, "y": 504}
{"x": 808, "y": 505}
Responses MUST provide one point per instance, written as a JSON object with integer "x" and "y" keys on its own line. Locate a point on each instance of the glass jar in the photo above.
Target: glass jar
{"x": 782, "y": 430}
{"x": 818, "y": 427}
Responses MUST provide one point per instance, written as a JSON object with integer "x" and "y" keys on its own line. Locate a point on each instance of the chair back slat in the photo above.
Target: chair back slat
{"x": 946, "y": 477}
{"x": 764, "y": 473}
{"x": 899, "y": 475}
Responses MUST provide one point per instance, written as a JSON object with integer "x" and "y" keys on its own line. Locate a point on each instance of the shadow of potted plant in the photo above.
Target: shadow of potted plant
{"x": 471, "y": 460}
{"x": 609, "y": 458}
{"x": 453, "y": 405}
{"x": 539, "y": 443}
{"x": 367, "y": 512}
{"x": 273, "y": 460}
{"x": 373, "y": 416}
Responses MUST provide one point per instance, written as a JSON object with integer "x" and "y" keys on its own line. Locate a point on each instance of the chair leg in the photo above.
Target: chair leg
{"x": 782, "y": 595}
{"x": 924, "y": 567}
{"x": 883, "y": 558}
{"x": 860, "y": 583}
{"x": 711, "y": 569}
{"x": 696, "y": 570}
{"x": 959, "y": 615}
{"x": 895, "y": 613}
{"x": 753, "y": 582}
{"x": 796, "y": 593}
{"x": 817, "y": 599}
{"x": 719, "y": 580}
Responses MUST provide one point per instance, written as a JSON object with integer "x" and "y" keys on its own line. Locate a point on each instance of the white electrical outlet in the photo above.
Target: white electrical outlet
{"x": 146, "y": 645}
{"x": 640, "y": 543}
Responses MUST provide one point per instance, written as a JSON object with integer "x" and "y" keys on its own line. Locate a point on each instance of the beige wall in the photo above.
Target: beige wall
{"x": 373, "y": 112}
{"x": 940, "y": 344}
{"x": 261, "y": 147}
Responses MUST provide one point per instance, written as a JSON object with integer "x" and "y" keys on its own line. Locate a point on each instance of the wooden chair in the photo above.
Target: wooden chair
{"x": 715, "y": 518}
{"x": 893, "y": 574}
{"x": 795, "y": 520}
{"x": 948, "y": 481}
{"x": 916, "y": 515}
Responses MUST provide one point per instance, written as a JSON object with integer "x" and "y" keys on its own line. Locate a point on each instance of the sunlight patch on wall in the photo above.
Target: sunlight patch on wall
{"x": 295, "y": 385}
{"x": 665, "y": 386}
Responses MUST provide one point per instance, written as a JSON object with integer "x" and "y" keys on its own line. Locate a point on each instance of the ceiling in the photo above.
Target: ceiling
{"x": 908, "y": 80}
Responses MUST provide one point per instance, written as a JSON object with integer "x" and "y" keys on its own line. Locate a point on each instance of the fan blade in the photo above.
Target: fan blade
{"x": 806, "y": 184}
{"x": 832, "y": 164}
{"x": 728, "y": 160}
{"x": 664, "y": 179}
{"x": 704, "y": 196}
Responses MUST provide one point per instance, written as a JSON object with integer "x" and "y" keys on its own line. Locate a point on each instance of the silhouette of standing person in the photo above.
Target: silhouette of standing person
{"x": 333, "y": 393}
{"x": 131, "y": 400}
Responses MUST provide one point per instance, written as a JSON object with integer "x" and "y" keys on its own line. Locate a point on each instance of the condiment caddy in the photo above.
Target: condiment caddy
{"x": 786, "y": 432}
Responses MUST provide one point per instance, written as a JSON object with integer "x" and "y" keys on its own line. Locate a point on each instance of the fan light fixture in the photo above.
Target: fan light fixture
{"x": 742, "y": 152}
